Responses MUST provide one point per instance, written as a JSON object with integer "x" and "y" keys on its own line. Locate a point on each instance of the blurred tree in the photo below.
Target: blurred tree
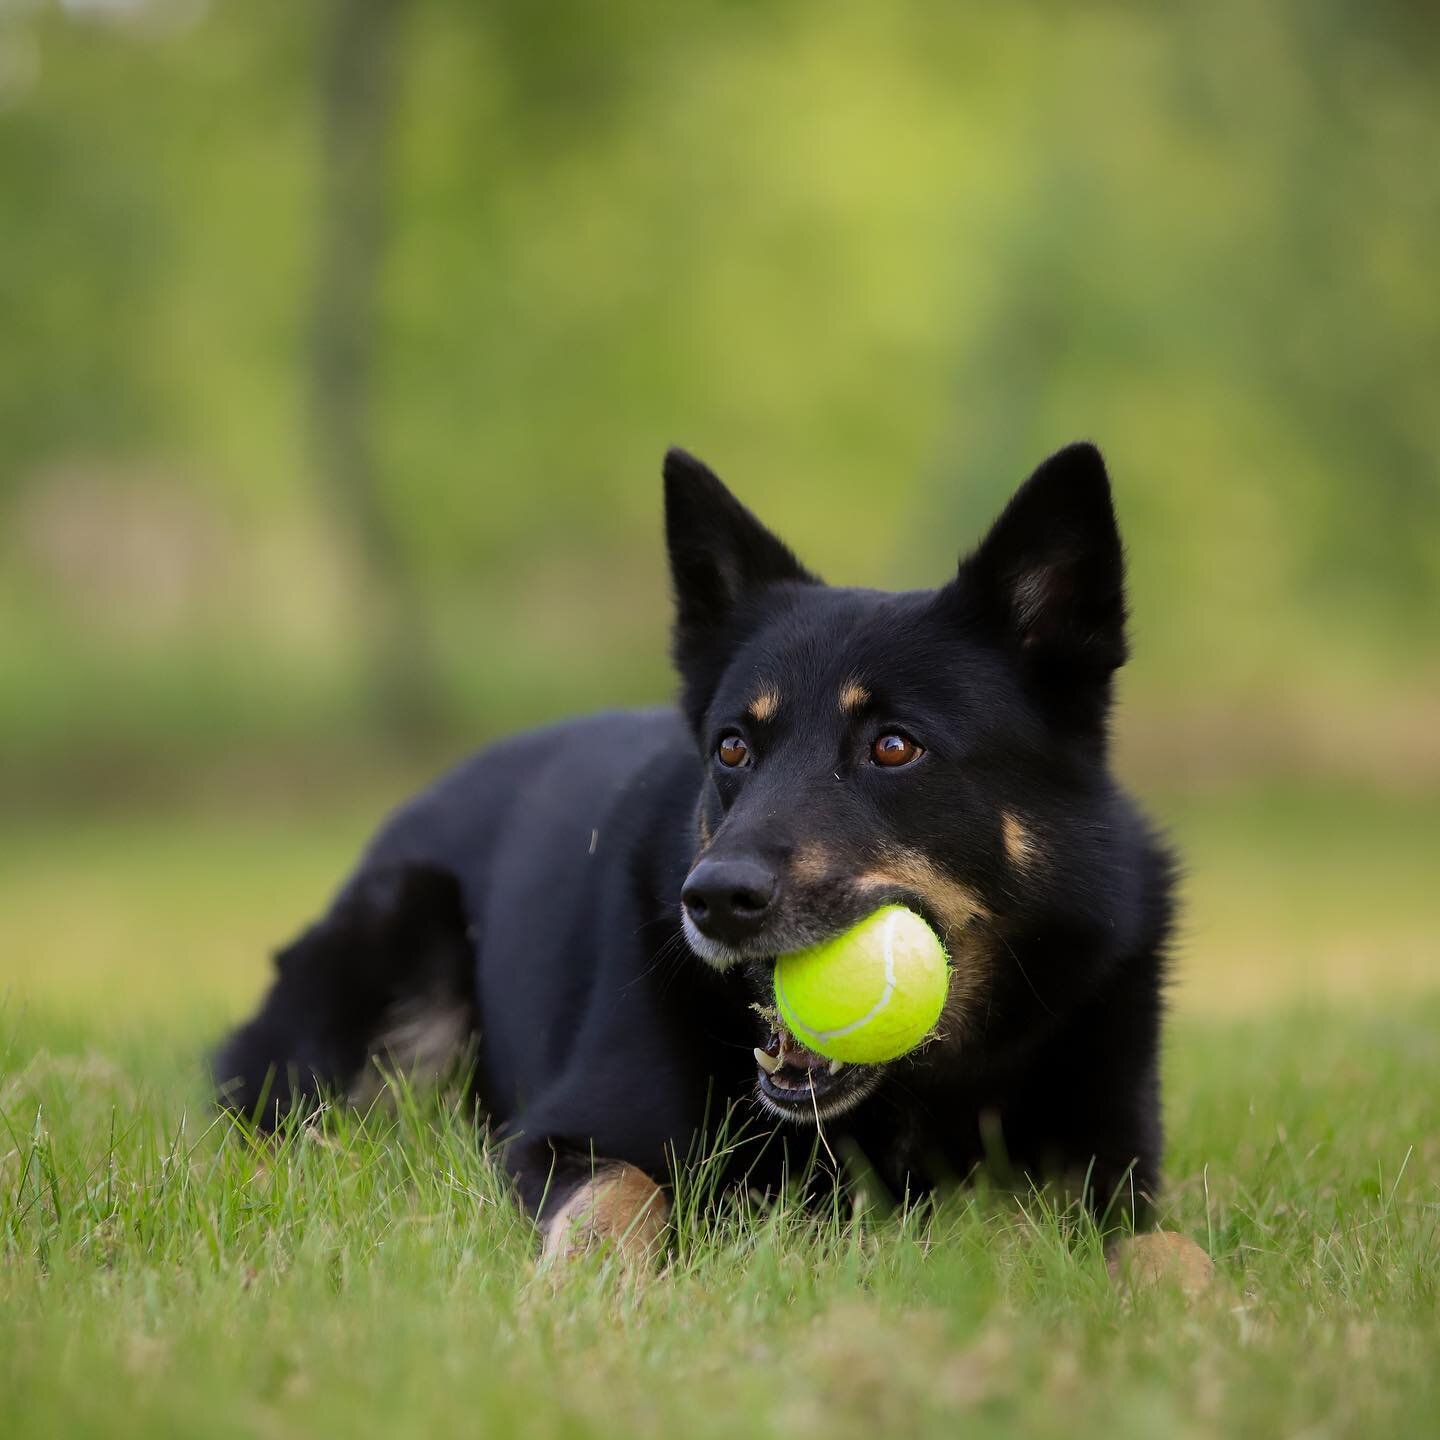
{"x": 361, "y": 54}
{"x": 79, "y": 254}
{"x": 871, "y": 260}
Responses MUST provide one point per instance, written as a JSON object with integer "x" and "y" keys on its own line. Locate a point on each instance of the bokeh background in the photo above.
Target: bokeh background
{"x": 339, "y": 345}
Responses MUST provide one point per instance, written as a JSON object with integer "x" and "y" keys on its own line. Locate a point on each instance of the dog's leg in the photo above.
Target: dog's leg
{"x": 1088, "y": 1115}
{"x": 582, "y": 1205}
{"x": 1119, "y": 1195}
{"x": 383, "y": 984}
{"x": 619, "y": 1207}
{"x": 1160, "y": 1258}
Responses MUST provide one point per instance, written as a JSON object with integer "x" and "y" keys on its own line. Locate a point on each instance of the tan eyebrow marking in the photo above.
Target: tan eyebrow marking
{"x": 765, "y": 704}
{"x": 1019, "y": 844}
{"x": 853, "y": 696}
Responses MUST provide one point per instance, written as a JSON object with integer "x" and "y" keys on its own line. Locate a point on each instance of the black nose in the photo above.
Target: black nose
{"x": 729, "y": 899}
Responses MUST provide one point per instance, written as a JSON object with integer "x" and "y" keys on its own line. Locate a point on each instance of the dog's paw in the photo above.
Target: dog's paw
{"x": 620, "y": 1208}
{"x": 1161, "y": 1258}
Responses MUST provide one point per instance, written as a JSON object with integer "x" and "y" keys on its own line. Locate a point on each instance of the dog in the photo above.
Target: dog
{"x": 591, "y": 912}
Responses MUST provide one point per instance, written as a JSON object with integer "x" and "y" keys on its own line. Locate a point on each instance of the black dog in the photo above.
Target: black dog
{"x": 595, "y": 908}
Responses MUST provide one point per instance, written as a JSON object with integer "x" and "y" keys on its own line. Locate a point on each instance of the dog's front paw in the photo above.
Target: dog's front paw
{"x": 1161, "y": 1258}
{"x": 620, "y": 1208}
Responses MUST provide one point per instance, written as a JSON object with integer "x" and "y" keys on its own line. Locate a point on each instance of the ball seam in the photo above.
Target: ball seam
{"x": 840, "y": 1031}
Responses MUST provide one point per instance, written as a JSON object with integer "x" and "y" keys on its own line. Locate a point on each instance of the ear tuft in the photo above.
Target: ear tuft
{"x": 721, "y": 561}
{"x": 1050, "y": 575}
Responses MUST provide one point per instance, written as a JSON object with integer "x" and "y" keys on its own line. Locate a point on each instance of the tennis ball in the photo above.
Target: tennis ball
{"x": 871, "y": 994}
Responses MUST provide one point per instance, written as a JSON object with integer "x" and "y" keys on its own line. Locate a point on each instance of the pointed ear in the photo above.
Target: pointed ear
{"x": 721, "y": 561}
{"x": 1050, "y": 575}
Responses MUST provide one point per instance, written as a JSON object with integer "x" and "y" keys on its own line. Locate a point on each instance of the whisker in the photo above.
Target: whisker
{"x": 998, "y": 935}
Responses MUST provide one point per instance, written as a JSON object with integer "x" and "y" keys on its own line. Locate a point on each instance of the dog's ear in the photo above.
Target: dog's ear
{"x": 722, "y": 561}
{"x": 1049, "y": 579}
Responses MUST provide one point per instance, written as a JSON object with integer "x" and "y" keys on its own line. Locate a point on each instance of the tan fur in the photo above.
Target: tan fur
{"x": 811, "y": 864}
{"x": 421, "y": 1041}
{"x": 765, "y": 704}
{"x": 955, "y": 906}
{"x": 1161, "y": 1258}
{"x": 1019, "y": 845}
{"x": 704, "y": 828}
{"x": 620, "y": 1207}
{"x": 853, "y": 696}
{"x": 971, "y": 959}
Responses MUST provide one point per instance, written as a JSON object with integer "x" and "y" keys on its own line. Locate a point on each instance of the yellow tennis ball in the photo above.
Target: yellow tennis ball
{"x": 871, "y": 994}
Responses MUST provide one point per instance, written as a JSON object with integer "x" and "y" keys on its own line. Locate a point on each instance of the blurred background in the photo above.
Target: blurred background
{"x": 339, "y": 345}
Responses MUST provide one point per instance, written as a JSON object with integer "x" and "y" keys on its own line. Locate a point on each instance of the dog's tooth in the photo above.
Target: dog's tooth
{"x": 766, "y": 1061}
{"x": 836, "y": 1066}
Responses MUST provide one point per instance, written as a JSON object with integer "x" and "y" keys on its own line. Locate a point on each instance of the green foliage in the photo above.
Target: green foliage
{"x": 874, "y": 261}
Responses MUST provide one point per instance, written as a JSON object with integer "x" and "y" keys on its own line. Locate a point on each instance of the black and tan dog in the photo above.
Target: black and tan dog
{"x": 595, "y": 908}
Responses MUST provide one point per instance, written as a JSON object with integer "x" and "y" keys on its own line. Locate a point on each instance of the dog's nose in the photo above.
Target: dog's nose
{"x": 728, "y": 899}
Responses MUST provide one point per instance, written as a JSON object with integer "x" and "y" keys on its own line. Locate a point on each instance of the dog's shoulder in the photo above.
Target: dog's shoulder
{"x": 562, "y": 776}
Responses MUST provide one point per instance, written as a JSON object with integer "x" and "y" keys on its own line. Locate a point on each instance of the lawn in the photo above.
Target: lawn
{"x": 159, "y": 1275}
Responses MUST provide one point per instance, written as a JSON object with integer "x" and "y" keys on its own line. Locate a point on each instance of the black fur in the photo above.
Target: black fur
{"x": 538, "y": 886}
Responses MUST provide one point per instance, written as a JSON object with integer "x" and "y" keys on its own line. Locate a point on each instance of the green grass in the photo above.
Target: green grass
{"x": 161, "y": 1274}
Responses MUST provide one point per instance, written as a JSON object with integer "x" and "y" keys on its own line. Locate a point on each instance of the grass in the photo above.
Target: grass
{"x": 162, "y": 1275}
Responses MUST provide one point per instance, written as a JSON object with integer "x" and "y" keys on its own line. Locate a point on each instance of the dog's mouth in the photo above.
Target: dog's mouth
{"x": 800, "y": 1085}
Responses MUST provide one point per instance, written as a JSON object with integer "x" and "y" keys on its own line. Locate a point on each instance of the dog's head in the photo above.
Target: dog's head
{"x": 941, "y": 748}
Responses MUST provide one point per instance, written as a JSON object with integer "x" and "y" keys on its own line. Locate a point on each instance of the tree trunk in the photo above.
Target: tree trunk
{"x": 361, "y": 60}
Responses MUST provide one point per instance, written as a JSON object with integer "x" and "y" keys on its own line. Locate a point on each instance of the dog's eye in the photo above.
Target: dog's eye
{"x": 733, "y": 752}
{"x": 893, "y": 750}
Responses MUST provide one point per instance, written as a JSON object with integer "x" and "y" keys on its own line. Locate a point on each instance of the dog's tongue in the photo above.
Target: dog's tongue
{"x": 780, "y": 1052}
{"x": 787, "y": 1051}
{"x": 800, "y": 1058}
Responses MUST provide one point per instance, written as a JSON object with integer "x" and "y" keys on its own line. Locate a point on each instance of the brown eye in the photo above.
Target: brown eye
{"x": 893, "y": 750}
{"x": 733, "y": 752}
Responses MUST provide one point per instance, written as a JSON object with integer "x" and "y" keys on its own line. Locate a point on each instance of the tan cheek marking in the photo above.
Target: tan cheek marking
{"x": 620, "y": 1206}
{"x": 764, "y": 705}
{"x": 853, "y": 696}
{"x": 704, "y": 828}
{"x": 955, "y": 906}
{"x": 1019, "y": 845}
{"x": 971, "y": 961}
{"x": 811, "y": 864}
